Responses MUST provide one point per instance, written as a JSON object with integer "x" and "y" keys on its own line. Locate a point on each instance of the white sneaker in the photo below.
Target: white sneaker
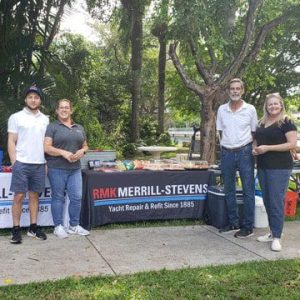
{"x": 78, "y": 230}
{"x": 265, "y": 238}
{"x": 276, "y": 245}
{"x": 60, "y": 232}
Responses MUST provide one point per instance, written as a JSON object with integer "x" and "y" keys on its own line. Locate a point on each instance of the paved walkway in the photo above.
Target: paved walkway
{"x": 125, "y": 251}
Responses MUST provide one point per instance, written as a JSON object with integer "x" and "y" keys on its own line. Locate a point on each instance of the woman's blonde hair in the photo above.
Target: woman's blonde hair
{"x": 266, "y": 115}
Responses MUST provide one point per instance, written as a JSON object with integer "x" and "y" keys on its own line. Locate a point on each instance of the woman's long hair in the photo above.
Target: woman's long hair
{"x": 281, "y": 116}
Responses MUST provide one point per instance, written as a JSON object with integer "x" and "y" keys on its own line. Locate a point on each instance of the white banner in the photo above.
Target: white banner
{"x": 6, "y": 201}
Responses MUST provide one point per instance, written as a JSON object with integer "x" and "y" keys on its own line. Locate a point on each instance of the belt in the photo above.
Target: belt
{"x": 236, "y": 149}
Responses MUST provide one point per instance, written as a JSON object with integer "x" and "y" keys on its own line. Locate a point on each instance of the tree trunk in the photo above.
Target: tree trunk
{"x": 211, "y": 100}
{"x": 136, "y": 68}
{"x": 161, "y": 83}
{"x": 208, "y": 131}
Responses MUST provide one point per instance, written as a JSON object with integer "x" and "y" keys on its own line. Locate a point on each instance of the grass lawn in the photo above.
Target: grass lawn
{"x": 254, "y": 280}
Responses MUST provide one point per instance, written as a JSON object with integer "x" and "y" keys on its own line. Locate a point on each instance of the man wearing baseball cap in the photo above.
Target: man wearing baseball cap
{"x": 26, "y": 130}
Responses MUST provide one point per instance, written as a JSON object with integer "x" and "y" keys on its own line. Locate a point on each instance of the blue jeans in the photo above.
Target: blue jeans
{"x": 242, "y": 161}
{"x": 62, "y": 180}
{"x": 274, "y": 184}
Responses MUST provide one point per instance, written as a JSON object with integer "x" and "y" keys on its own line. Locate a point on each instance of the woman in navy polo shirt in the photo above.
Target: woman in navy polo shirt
{"x": 275, "y": 136}
{"x": 65, "y": 144}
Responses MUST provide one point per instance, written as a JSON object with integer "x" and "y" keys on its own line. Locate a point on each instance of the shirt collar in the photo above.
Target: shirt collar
{"x": 60, "y": 123}
{"x": 244, "y": 106}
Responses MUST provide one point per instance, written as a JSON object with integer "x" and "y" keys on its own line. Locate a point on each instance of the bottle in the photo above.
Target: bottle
{"x": 257, "y": 187}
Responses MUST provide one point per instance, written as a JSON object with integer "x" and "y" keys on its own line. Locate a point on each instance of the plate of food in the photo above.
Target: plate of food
{"x": 196, "y": 169}
{"x": 173, "y": 169}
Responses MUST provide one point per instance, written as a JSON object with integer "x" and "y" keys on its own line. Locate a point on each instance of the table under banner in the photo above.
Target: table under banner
{"x": 143, "y": 195}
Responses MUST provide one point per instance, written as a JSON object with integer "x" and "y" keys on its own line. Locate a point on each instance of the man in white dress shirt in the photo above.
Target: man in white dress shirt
{"x": 236, "y": 123}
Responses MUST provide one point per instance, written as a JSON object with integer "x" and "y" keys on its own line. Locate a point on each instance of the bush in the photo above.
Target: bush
{"x": 149, "y": 136}
{"x": 129, "y": 150}
{"x": 164, "y": 139}
{"x": 148, "y": 131}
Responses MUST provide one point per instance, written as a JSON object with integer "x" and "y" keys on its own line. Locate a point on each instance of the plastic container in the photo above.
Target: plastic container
{"x": 100, "y": 156}
{"x": 216, "y": 208}
{"x": 290, "y": 205}
{"x": 260, "y": 214}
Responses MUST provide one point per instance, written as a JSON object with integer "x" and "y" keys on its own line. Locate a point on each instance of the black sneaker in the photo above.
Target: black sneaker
{"x": 37, "y": 233}
{"x": 229, "y": 228}
{"x": 16, "y": 237}
{"x": 243, "y": 233}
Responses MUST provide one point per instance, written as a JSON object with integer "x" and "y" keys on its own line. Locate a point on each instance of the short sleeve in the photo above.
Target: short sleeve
{"x": 254, "y": 119}
{"x": 288, "y": 125}
{"x": 50, "y": 131}
{"x": 83, "y": 132}
{"x": 12, "y": 125}
{"x": 219, "y": 122}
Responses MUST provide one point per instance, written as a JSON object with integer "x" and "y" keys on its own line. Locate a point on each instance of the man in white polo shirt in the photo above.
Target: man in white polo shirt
{"x": 236, "y": 123}
{"x": 26, "y": 131}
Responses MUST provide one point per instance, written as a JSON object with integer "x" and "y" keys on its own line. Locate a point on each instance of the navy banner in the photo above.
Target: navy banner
{"x": 143, "y": 195}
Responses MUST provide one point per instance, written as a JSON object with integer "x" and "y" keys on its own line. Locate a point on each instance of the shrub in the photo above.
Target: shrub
{"x": 164, "y": 139}
{"x": 129, "y": 150}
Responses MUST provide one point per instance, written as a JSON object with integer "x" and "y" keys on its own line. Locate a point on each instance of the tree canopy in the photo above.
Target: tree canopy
{"x": 224, "y": 39}
{"x": 127, "y": 87}
{"x": 27, "y": 29}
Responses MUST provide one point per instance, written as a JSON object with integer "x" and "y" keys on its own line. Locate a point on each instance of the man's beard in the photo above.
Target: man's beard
{"x": 235, "y": 97}
{"x": 32, "y": 109}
